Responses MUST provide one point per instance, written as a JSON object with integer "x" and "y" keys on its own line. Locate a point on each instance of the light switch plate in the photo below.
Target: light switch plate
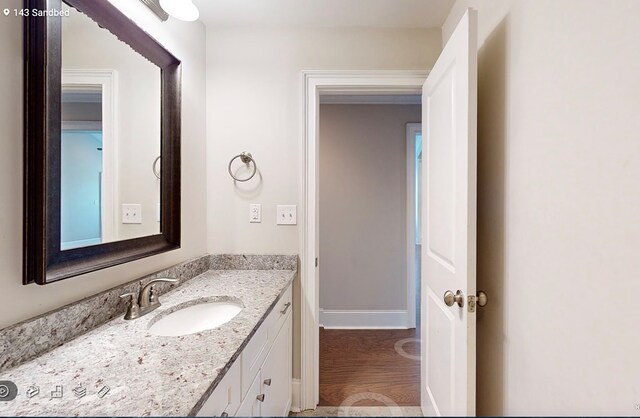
{"x": 255, "y": 213}
{"x": 131, "y": 213}
{"x": 286, "y": 215}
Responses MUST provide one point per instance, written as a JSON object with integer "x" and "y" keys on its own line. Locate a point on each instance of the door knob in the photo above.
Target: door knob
{"x": 267, "y": 382}
{"x": 482, "y": 298}
{"x": 450, "y": 298}
{"x": 260, "y": 397}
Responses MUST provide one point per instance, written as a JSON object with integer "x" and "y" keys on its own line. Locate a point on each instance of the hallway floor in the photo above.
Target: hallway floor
{"x": 361, "y": 411}
{"x": 369, "y": 368}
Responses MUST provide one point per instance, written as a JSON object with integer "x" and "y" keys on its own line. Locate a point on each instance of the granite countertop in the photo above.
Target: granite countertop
{"x": 149, "y": 375}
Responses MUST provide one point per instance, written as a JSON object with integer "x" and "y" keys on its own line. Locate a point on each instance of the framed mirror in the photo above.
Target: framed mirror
{"x": 102, "y": 140}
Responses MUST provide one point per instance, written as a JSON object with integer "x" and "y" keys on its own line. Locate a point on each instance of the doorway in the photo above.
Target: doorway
{"x": 449, "y": 258}
{"x": 414, "y": 220}
{"x": 316, "y": 85}
{"x": 89, "y": 155}
{"x": 369, "y": 353}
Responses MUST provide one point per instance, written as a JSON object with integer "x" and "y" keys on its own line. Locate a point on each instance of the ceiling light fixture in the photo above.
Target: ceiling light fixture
{"x": 181, "y": 9}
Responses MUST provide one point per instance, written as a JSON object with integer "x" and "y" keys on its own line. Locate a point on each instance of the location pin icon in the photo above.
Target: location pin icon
{"x": 6, "y": 12}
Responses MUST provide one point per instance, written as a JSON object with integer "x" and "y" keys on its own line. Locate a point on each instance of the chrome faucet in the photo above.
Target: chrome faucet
{"x": 147, "y": 300}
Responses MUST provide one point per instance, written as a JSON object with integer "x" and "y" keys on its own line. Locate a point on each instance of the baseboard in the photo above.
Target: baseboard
{"x": 335, "y": 319}
{"x": 295, "y": 395}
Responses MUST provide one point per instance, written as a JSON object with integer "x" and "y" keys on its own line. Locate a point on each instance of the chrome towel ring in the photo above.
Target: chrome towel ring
{"x": 156, "y": 170}
{"x": 246, "y": 158}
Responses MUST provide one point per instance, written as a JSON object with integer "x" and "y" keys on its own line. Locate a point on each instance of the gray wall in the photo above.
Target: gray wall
{"x": 363, "y": 206}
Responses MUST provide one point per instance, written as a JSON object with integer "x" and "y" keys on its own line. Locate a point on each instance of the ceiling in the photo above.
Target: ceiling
{"x": 325, "y": 13}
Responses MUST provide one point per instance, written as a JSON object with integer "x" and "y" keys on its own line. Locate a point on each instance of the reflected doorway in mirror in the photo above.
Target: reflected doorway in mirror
{"x": 89, "y": 177}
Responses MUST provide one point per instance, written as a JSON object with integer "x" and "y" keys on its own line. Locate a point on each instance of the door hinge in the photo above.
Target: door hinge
{"x": 316, "y": 261}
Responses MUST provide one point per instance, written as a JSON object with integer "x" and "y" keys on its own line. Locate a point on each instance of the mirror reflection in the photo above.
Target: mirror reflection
{"x": 110, "y": 142}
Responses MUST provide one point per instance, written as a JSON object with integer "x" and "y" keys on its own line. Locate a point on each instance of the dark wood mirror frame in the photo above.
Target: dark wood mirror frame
{"x": 43, "y": 260}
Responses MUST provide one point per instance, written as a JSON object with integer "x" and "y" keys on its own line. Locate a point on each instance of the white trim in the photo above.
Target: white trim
{"x": 353, "y": 319}
{"x": 108, "y": 82}
{"x": 412, "y": 130}
{"x": 375, "y": 99}
{"x": 295, "y": 395}
{"x": 81, "y": 125}
{"x": 315, "y": 83}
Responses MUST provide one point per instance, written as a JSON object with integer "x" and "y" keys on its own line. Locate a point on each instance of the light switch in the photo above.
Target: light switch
{"x": 286, "y": 215}
{"x": 131, "y": 213}
{"x": 255, "y": 213}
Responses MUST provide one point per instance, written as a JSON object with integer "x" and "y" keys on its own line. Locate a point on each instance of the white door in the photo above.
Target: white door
{"x": 448, "y": 380}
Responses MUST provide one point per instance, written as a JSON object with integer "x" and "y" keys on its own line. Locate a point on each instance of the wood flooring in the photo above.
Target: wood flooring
{"x": 354, "y": 362}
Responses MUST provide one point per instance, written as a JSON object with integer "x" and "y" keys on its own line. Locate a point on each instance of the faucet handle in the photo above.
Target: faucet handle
{"x": 133, "y": 310}
{"x": 153, "y": 298}
{"x": 162, "y": 279}
{"x": 133, "y": 295}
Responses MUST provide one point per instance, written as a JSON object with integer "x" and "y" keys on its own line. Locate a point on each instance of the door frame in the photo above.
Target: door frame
{"x": 412, "y": 129}
{"x": 108, "y": 82}
{"x": 315, "y": 84}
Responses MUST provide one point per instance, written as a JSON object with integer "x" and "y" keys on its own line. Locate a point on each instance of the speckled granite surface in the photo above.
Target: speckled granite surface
{"x": 252, "y": 262}
{"x": 149, "y": 375}
{"x": 28, "y": 339}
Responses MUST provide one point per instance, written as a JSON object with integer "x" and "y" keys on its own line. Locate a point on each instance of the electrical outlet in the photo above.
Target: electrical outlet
{"x": 131, "y": 213}
{"x": 286, "y": 215}
{"x": 255, "y": 213}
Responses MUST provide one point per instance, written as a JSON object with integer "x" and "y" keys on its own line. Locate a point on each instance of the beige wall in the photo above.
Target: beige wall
{"x": 18, "y": 302}
{"x": 558, "y": 200}
{"x": 363, "y": 206}
{"x": 254, "y": 103}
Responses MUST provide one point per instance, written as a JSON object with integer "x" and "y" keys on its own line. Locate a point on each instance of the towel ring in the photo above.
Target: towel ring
{"x": 246, "y": 158}
{"x": 156, "y": 171}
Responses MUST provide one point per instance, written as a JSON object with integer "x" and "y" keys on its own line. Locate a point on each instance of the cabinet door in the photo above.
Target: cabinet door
{"x": 276, "y": 374}
{"x": 226, "y": 397}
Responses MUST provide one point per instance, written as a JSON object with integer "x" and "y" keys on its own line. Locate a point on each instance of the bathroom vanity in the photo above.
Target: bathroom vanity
{"x": 242, "y": 367}
{"x": 259, "y": 382}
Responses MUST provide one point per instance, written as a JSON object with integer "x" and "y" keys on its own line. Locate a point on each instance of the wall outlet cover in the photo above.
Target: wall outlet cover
{"x": 131, "y": 213}
{"x": 255, "y": 213}
{"x": 286, "y": 215}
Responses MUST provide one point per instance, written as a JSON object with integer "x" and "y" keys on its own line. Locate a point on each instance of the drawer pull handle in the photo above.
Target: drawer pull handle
{"x": 286, "y": 306}
{"x": 267, "y": 382}
{"x": 224, "y": 414}
{"x": 260, "y": 397}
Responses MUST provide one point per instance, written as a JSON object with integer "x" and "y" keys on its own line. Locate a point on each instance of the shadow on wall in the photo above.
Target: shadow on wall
{"x": 492, "y": 163}
{"x": 247, "y": 189}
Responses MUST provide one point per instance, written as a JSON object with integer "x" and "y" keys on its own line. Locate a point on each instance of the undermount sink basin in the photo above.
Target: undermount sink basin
{"x": 195, "y": 318}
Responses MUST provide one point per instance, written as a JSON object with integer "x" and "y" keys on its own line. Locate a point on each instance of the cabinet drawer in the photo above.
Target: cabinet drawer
{"x": 226, "y": 396}
{"x": 279, "y": 314}
{"x": 251, "y": 405}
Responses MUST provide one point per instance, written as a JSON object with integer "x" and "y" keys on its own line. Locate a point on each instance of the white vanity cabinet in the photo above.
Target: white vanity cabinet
{"x": 259, "y": 381}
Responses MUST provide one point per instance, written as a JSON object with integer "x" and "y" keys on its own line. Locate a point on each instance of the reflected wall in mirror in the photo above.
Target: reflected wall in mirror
{"x": 110, "y": 137}
{"x": 102, "y": 110}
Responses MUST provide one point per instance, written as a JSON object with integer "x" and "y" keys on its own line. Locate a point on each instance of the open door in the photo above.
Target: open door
{"x": 449, "y": 113}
